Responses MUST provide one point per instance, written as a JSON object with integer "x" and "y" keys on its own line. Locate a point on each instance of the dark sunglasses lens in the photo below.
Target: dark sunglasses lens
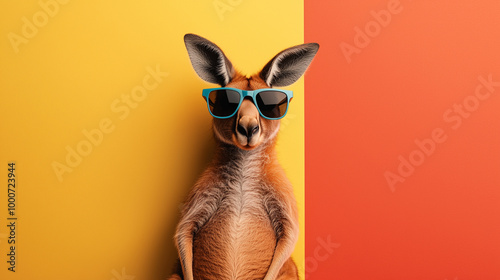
{"x": 223, "y": 102}
{"x": 272, "y": 104}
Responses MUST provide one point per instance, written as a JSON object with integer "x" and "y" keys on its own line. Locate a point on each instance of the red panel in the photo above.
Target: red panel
{"x": 403, "y": 140}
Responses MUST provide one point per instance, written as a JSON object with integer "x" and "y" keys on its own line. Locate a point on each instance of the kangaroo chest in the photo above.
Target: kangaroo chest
{"x": 244, "y": 190}
{"x": 243, "y": 194}
{"x": 239, "y": 235}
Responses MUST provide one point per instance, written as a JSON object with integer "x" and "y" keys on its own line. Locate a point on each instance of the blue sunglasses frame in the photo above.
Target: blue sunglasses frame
{"x": 247, "y": 93}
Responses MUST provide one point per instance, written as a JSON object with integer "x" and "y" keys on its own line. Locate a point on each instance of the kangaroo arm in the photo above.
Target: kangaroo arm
{"x": 200, "y": 207}
{"x": 284, "y": 220}
{"x": 184, "y": 242}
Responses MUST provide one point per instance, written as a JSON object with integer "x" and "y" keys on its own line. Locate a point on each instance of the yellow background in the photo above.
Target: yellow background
{"x": 115, "y": 213}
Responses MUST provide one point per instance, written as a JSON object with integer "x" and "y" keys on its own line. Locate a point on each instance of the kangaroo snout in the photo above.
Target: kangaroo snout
{"x": 247, "y": 125}
{"x": 249, "y": 130}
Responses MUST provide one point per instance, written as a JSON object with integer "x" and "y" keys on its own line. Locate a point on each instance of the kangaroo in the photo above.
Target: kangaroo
{"x": 240, "y": 220}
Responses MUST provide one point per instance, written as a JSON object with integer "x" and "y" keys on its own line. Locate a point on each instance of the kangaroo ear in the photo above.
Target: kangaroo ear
{"x": 289, "y": 65}
{"x": 208, "y": 60}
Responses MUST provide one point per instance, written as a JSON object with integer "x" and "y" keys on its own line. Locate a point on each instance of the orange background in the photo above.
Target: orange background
{"x": 443, "y": 221}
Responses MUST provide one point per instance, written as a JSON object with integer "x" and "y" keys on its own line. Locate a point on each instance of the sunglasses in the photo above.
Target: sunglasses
{"x": 223, "y": 102}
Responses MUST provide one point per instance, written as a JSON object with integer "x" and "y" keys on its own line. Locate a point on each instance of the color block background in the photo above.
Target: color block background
{"x": 404, "y": 78}
{"x": 390, "y": 77}
{"x": 86, "y": 63}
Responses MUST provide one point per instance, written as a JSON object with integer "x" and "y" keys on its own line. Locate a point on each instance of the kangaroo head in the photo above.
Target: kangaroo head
{"x": 247, "y": 128}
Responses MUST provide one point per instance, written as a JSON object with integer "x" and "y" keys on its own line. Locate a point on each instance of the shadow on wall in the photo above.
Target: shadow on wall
{"x": 199, "y": 156}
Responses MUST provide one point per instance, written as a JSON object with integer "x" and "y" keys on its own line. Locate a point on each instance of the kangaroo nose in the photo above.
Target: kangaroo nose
{"x": 249, "y": 130}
